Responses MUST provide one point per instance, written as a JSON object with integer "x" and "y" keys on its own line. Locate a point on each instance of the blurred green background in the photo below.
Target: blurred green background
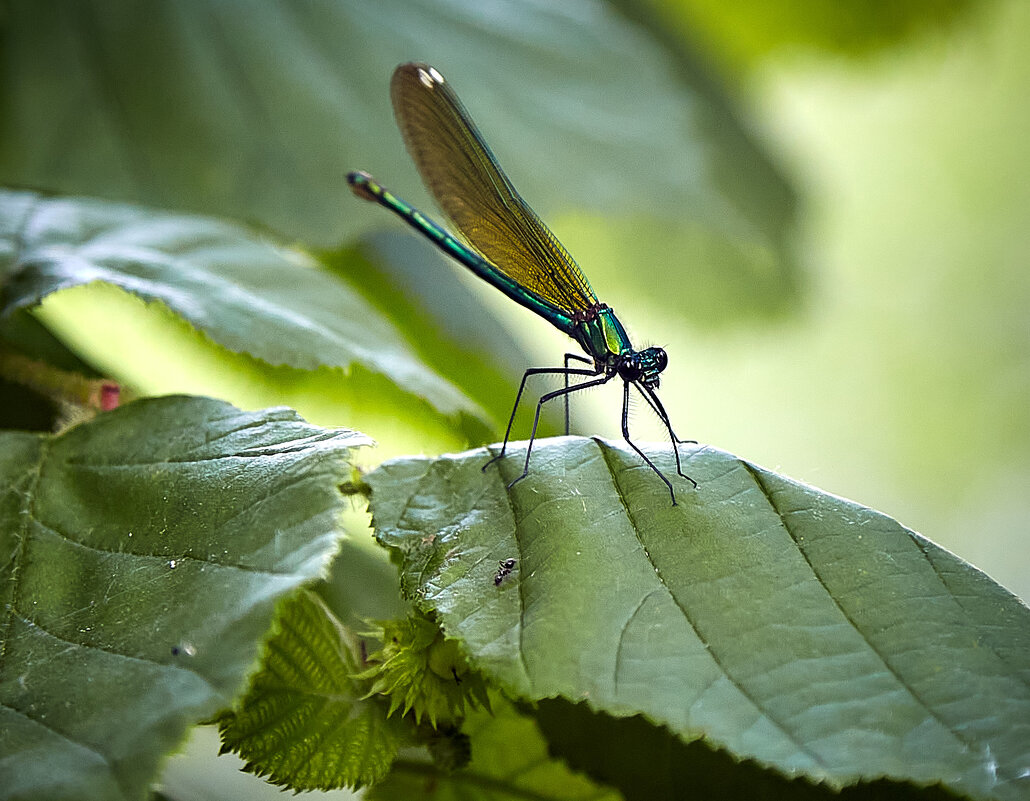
{"x": 819, "y": 208}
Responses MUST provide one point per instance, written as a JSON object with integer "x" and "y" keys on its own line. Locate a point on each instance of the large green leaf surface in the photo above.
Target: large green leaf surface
{"x": 189, "y": 105}
{"x": 246, "y": 294}
{"x": 778, "y": 623}
{"x": 142, "y": 554}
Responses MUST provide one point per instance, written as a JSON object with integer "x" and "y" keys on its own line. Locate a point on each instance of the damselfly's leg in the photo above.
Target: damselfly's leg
{"x": 535, "y": 371}
{"x": 625, "y": 436}
{"x": 656, "y": 404}
{"x": 604, "y": 379}
{"x": 578, "y": 358}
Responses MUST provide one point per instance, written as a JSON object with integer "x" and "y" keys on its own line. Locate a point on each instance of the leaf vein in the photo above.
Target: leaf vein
{"x": 22, "y": 534}
{"x": 102, "y": 756}
{"x": 521, "y": 577}
{"x": 622, "y": 637}
{"x": 127, "y": 657}
{"x": 157, "y": 557}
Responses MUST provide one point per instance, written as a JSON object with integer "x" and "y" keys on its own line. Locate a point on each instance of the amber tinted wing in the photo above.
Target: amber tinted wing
{"x": 475, "y": 194}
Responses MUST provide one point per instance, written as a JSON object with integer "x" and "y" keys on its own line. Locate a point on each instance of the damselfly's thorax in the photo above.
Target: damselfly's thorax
{"x": 602, "y": 336}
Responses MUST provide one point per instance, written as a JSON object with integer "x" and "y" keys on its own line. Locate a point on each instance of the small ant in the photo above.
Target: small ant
{"x": 503, "y": 569}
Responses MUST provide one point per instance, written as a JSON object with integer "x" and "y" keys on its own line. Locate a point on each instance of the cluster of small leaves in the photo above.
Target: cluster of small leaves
{"x": 306, "y": 722}
{"x": 423, "y": 672}
{"x": 312, "y": 719}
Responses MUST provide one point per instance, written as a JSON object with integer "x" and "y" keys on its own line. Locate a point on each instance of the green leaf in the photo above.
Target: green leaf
{"x": 410, "y": 282}
{"x": 142, "y": 554}
{"x": 362, "y": 584}
{"x": 22, "y": 404}
{"x": 303, "y": 723}
{"x": 781, "y": 624}
{"x": 229, "y": 283}
{"x": 509, "y": 761}
{"x": 259, "y": 116}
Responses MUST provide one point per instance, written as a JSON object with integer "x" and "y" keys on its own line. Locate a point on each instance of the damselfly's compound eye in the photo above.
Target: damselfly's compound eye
{"x": 631, "y": 367}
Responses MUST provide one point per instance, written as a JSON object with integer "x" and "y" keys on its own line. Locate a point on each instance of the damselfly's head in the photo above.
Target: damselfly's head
{"x": 643, "y": 366}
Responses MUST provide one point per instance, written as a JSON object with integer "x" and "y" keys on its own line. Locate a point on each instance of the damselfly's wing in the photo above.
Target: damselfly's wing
{"x": 475, "y": 194}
